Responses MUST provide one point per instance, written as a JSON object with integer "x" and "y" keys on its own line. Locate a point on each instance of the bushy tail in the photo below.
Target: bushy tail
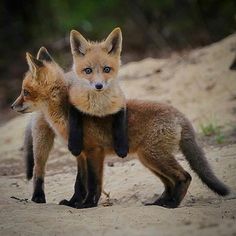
{"x": 28, "y": 152}
{"x": 198, "y": 162}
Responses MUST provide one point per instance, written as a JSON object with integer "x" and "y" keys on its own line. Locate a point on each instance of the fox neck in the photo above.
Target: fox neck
{"x": 96, "y": 103}
{"x": 55, "y": 110}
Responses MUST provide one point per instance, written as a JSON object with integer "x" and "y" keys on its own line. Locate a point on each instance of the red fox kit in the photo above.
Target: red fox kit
{"x": 165, "y": 129}
{"x": 95, "y": 90}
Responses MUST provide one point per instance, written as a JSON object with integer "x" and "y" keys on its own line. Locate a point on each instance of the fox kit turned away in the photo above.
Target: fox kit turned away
{"x": 165, "y": 129}
{"x": 95, "y": 90}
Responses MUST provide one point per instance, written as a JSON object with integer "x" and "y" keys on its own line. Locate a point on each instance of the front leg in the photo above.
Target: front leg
{"x": 43, "y": 138}
{"x": 88, "y": 185}
{"x": 75, "y": 142}
{"x": 120, "y": 133}
{"x": 80, "y": 187}
{"x": 95, "y": 165}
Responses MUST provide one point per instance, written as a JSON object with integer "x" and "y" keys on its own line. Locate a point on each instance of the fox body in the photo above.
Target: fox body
{"x": 95, "y": 89}
{"x": 155, "y": 141}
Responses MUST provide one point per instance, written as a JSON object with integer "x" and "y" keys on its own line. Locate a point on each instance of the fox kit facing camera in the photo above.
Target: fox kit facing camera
{"x": 95, "y": 89}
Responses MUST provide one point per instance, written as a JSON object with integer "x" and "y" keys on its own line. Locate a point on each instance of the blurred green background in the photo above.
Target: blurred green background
{"x": 150, "y": 28}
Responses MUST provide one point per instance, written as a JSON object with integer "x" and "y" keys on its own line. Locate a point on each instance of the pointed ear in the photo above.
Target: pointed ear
{"x": 113, "y": 42}
{"x": 34, "y": 64}
{"x": 43, "y": 55}
{"x": 78, "y": 43}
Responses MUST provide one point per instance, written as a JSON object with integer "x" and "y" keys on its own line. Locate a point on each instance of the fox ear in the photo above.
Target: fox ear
{"x": 113, "y": 42}
{"x": 43, "y": 55}
{"x": 78, "y": 43}
{"x": 34, "y": 64}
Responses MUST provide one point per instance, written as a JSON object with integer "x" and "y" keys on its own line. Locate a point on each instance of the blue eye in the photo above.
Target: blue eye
{"x": 106, "y": 69}
{"x": 88, "y": 70}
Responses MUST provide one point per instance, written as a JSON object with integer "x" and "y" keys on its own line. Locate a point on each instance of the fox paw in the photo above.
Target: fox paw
{"x": 71, "y": 203}
{"x": 86, "y": 205}
{"x": 167, "y": 203}
{"x": 75, "y": 150}
{"x": 122, "y": 151}
{"x": 65, "y": 202}
{"x": 39, "y": 198}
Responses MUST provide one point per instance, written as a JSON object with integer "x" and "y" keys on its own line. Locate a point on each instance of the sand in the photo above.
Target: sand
{"x": 200, "y": 85}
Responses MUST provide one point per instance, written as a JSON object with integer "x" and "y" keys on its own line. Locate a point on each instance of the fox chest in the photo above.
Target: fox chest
{"x": 99, "y": 104}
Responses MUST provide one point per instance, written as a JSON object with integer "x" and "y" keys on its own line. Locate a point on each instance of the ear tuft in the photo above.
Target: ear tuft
{"x": 34, "y": 64}
{"x": 113, "y": 42}
{"x": 78, "y": 43}
{"x": 44, "y": 55}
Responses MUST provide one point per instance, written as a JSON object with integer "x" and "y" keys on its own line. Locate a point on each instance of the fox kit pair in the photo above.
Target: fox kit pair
{"x": 45, "y": 89}
{"x": 95, "y": 90}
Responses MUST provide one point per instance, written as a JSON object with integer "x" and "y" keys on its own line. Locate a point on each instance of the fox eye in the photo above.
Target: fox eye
{"x": 106, "y": 69}
{"x": 26, "y": 93}
{"x": 88, "y": 70}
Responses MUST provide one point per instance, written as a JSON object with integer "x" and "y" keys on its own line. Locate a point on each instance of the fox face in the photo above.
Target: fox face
{"x": 96, "y": 64}
{"x": 36, "y": 87}
{"x": 27, "y": 101}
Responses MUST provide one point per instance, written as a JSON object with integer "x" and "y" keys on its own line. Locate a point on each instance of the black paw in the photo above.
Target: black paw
{"x": 86, "y": 205}
{"x": 39, "y": 198}
{"x": 75, "y": 150}
{"x": 64, "y": 202}
{"x": 122, "y": 150}
{"x": 167, "y": 203}
{"x": 71, "y": 203}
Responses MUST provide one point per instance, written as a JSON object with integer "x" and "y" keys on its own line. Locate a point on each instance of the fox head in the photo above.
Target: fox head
{"x": 40, "y": 82}
{"x": 96, "y": 64}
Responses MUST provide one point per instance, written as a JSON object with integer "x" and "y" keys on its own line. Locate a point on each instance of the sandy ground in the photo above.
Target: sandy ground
{"x": 199, "y": 84}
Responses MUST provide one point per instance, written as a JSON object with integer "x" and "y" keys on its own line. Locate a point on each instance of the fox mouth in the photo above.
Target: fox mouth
{"x": 99, "y": 90}
{"x": 23, "y": 110}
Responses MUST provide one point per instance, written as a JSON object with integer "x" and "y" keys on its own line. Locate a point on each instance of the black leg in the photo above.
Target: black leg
{"x": 79, "y": 194}
{"x": 38, "y": 195}
{"x": 120, "y": 133}
{"x": 80, "y": 187}
{"x": 91, "y": 198}
{"x": 75, "y": 142}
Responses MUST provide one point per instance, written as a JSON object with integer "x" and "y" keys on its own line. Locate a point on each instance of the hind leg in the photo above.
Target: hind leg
{"x": 43, "y": 139}
{"x": 168, "y": 185}
{"x": 175, "y": 179}
{"x": 168, "y": 191}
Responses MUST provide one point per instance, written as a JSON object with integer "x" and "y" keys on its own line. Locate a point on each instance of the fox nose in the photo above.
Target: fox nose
{"x": 98, "y": 86}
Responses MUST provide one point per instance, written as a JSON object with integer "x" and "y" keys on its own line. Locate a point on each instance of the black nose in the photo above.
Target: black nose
{"x": 12, "y": 106}
{"x": 98, "y": 86}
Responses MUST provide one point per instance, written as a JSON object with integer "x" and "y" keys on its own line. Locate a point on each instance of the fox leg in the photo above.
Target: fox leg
{"x": 43, "y": 139}
{"x": 120, "y": 134}
{"x": 28, "y": 151}
{"x": 75, "y": 142}
{"x": 95, "y": 164}
{"x": 80, "y": 187}
{"x": 175, "y": 179}
{"x": 168, "y": 185}
{"x": 88, "y": 184}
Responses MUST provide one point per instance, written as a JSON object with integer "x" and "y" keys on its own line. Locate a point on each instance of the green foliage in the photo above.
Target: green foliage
{"x": 220, "y": 138}
{"x": 211, "y": 129}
